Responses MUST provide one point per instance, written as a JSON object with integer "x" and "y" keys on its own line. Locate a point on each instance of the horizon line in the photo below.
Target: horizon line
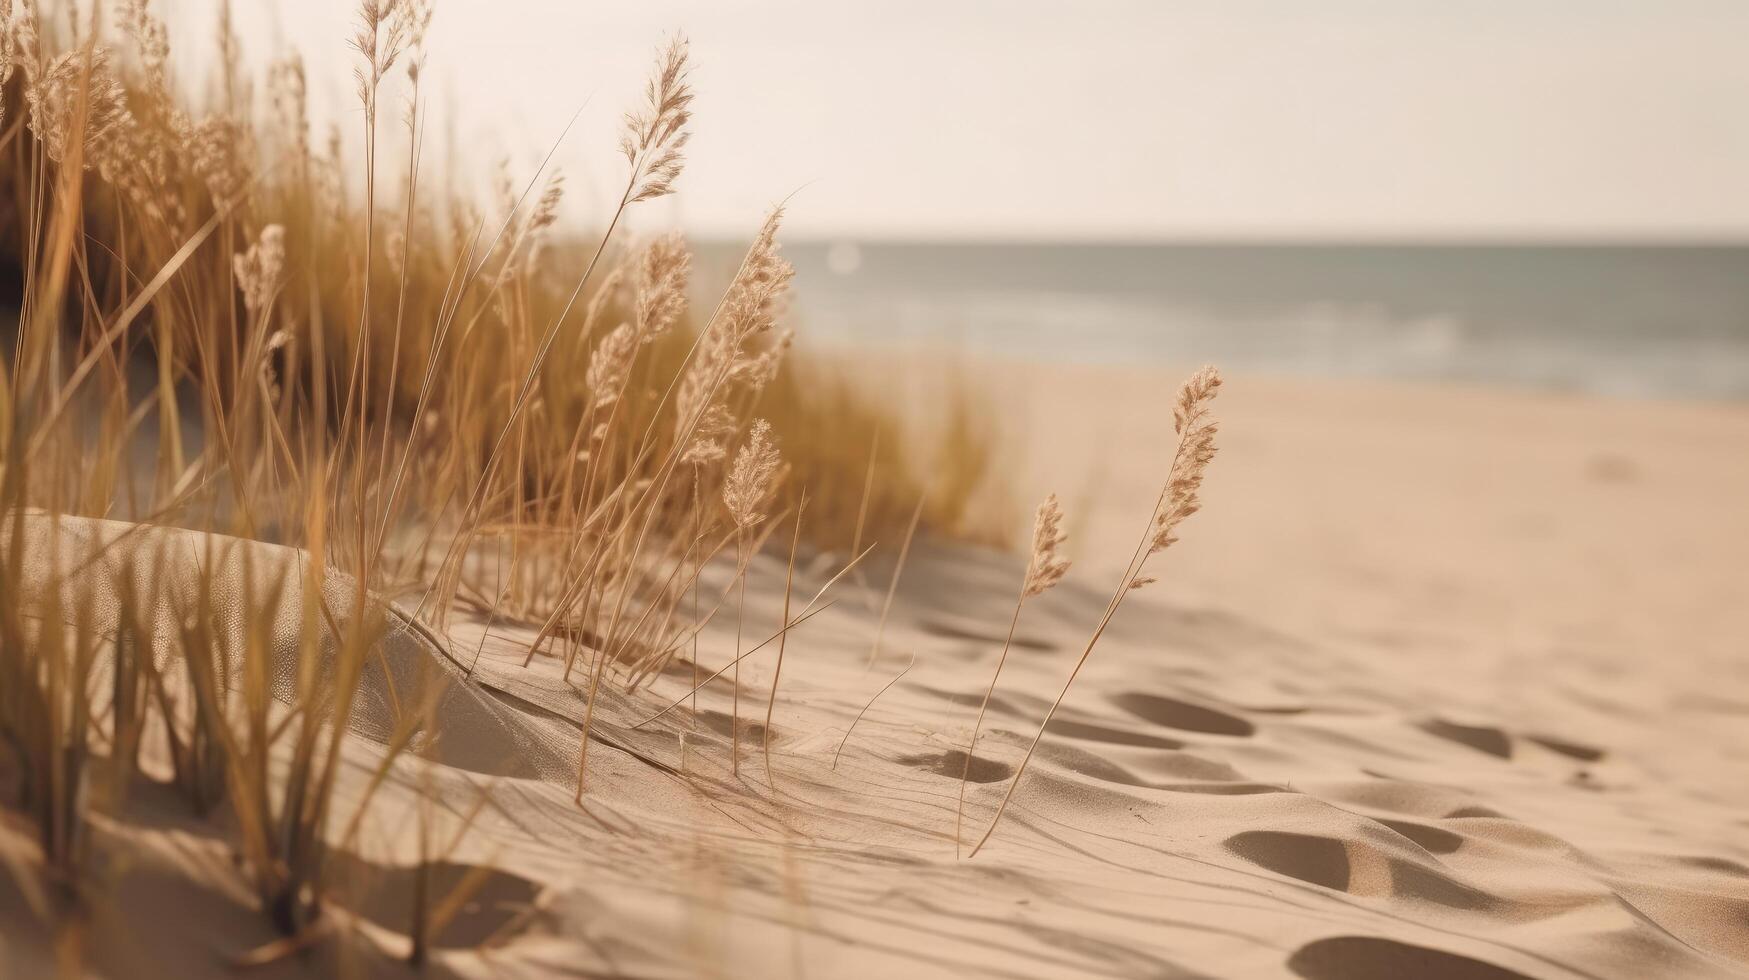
{"x": 1624, "y": 239}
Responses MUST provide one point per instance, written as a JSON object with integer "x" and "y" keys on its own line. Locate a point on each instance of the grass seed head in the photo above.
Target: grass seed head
{"x": 1196, "y": 448}
{"x": 261, "y": 269}
{"x": 1047, "y": 567}
{"x": 77, "y": 90}
{"x": 752, "y": 476}
{"x": 655, "y": 136}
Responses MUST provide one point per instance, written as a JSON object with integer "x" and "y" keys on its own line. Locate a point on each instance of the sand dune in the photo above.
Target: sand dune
{"x": 1430, "y": 693}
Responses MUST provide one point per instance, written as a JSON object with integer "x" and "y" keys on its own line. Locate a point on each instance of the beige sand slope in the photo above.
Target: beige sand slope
{"x": 1442, "y": 684}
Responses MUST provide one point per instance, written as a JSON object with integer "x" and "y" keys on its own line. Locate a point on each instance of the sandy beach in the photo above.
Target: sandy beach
{"x": 786, "y": 490}
{"x": 1443, "y": 683}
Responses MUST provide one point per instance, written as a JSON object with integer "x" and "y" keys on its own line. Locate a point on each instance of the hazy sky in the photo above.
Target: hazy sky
{"x": 1149, "y": 118}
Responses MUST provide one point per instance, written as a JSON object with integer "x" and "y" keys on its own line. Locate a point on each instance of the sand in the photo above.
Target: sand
{"x": 1442, "y": 683}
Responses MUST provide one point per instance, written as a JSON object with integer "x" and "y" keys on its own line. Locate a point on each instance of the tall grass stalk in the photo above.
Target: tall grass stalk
{"x": 1178, "y": 500}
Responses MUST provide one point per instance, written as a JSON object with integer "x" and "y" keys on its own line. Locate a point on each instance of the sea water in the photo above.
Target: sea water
{"x": 1634, "y": 320}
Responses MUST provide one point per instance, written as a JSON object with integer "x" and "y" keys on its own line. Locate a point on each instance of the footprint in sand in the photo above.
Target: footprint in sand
{"x": 722, "y": 724}
{"x": 1570, "y": 749}
{"x": 1482, "y": 738}
{"x": 1182, "y": 715}
{"x": 1308, "y": 857}
{"x": 1376, "y": 958}
{"x": 1111, "y": 736}
{"x": 1496, "y": 742}
{"x": 1476, "y": 812}
{"x": 1331, "y": 863}
{"x": 1434, "y": 840}
{"x": 978, "y": 631}
{"x": 953, "y": 762}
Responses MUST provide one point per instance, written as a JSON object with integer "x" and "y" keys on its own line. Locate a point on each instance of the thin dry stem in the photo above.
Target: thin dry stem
{"x": 1177, "y": 500}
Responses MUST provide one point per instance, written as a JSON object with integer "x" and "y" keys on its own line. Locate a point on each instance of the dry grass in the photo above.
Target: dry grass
{"x": 427, "y": 398}
{"x": 47, "y": 661}
{"x": 429, "y": 403}
{"x": 1044, "y": 569}
{"x": 868, "y": 469}
{"x": 1178, "y": 500}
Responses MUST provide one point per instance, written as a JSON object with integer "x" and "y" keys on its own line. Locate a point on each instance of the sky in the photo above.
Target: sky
{"x": 1121, "y": 119}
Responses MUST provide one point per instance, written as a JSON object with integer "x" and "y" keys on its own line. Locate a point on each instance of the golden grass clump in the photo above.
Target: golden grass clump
{"x": 865, "y": 472}
{"x": 436, "y": 404}
{"x": 423, "y": 396}
{"x": 438, "y": 407}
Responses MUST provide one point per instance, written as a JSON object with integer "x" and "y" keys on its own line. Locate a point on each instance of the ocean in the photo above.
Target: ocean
{"x": 1628, "y": 320}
